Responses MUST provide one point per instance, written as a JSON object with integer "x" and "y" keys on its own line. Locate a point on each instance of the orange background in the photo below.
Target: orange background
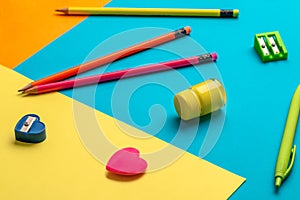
{"x": 28, "y": 26}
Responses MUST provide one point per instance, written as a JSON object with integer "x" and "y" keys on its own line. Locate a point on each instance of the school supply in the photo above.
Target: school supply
{"x": 270, "y": 46}
{"x": 127, "y": 162}
{"x": 111, "y": 57}
{"x": 287, "y": 152}
{"x": 30, "y": 129}
{"x": 169, "y": 12}
{"x": 61, "y": 85}
{"x": 200, "y": 99}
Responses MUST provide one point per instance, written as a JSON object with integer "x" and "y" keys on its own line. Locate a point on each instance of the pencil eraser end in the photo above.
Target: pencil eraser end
{"x": 187, "y": 30}
{"x": 214, "y": 56}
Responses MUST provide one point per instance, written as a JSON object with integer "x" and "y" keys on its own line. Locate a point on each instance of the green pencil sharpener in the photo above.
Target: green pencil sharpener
{"x": 270, "y": 46}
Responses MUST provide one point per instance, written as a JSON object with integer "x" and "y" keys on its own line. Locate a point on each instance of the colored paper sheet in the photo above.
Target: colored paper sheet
{"x": 27, "y": 26}
{"x": 258, "y": 93}
{"x": 65, "y": 167}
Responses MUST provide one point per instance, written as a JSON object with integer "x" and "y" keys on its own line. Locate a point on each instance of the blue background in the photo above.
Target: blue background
{"x": 258, "y": 94}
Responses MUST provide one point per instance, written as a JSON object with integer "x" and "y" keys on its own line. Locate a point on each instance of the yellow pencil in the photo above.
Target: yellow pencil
{"x": 223, "y": 13}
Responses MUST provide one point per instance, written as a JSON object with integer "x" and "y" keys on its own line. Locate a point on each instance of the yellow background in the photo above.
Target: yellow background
{"x": 62, "y": 168}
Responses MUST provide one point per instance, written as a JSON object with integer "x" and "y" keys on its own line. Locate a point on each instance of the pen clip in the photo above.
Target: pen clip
{"x": 293, "y": 152}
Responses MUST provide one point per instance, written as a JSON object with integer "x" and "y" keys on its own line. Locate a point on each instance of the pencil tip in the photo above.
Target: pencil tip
{"x": 24, "y": 94}
{"x": 64, "y": 10}
{"x": 32, "y": 90}
{"x": 25, "y": 88}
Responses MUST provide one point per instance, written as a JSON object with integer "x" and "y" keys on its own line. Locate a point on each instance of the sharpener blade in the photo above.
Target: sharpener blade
{"x": 28, "y": 123}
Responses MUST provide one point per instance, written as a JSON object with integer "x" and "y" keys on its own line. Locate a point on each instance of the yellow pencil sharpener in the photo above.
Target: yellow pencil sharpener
{"x": 200, "y": 99}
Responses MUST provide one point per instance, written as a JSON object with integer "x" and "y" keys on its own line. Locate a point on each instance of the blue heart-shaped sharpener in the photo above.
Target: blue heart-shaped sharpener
{"x": 30, "y": 129}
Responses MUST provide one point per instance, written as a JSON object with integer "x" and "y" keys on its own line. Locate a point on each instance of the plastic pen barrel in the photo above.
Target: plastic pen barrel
{"x": 287, "y": 152}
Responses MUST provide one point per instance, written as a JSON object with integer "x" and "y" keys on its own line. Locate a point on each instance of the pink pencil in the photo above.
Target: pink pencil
{"x": 61, "y": 85}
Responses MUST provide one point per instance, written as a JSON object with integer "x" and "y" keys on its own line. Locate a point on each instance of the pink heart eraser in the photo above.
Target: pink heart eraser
{"x": 126, "y": 161}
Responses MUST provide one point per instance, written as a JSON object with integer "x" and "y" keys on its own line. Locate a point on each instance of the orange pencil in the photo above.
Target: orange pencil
{"x": 110, "y": 57}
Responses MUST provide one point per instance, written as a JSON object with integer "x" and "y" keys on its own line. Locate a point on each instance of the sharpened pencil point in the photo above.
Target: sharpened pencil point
{"x": 23, "y": 94}
{"x": 25, "y": 88}
{"x": 64, "y": 10}
{"x": 32, "y": 90}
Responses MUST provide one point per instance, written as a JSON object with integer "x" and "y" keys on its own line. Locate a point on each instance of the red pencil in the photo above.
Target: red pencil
{"x": 110, "y": 57}
{"x": 56, "y": 86}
